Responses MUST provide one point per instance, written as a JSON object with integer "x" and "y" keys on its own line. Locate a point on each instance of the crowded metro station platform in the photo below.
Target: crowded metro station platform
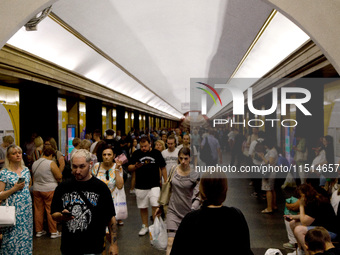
{"x": 169, "y": 127}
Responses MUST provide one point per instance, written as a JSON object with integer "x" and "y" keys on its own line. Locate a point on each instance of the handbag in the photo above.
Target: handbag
{"x": 120, "y": 204}
{"x": 166, "y": 189}
{"x": 7, "y": 215}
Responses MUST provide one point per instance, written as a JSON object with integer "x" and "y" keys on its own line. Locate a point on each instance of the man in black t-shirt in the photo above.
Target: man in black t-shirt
{"x": 84, "y": 206}
{"x": 147, "y": 163}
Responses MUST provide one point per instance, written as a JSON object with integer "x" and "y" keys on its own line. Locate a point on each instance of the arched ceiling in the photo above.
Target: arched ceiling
{"x": 151, "y": 48}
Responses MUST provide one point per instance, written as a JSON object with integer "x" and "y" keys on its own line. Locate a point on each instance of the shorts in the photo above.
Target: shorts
{"x": 144, "y": 196}
{"x": 268, "y": 183}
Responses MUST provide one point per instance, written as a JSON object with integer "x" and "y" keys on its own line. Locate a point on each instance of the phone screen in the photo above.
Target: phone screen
{"x": 21, "y": 179}
{"x": 287, "y": 218}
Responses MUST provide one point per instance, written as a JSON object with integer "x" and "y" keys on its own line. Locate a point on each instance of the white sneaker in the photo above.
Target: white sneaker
{"x": 40, "y": 234}
{"x": 55, "y": 235}
{"x": 289, "y": 246}
{"x": 143, "y": 230}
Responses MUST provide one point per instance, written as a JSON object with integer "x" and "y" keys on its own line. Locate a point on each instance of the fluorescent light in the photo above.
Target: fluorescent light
{"x": 278, "y": 41}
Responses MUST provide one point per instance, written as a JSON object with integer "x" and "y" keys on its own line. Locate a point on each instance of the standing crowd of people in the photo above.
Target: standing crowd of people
{"x": 79, "y": 193}
{"x": 314, "y": 177}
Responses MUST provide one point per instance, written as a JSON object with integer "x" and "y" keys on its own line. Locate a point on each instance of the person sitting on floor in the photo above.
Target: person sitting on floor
{"x": 315, "y": 210}
{"x": 318, "y": 242}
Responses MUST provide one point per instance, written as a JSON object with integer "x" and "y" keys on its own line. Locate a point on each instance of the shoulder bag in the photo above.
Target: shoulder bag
{"x": 166, "y": 188}
{"x": 98, "y": 169}
{"x": 7, "y": 215}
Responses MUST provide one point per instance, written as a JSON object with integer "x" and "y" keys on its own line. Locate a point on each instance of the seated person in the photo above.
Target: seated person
{"x": 318, "y": 242}
{"x": 213, "y": 229}
{"x": 315, "y": 210}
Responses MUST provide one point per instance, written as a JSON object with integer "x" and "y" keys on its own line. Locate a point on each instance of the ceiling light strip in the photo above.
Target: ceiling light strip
{"x": 259, "y": 34}
{"x": 71, "y": 30}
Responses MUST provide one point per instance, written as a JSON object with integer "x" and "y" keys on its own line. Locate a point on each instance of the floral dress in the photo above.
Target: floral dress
{"x": 18, "y": 240}
{"x": 101, "y": 175}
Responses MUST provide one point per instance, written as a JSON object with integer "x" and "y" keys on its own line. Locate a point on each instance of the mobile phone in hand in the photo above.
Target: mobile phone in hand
{"x": 21, "y": 180}
{"x": 67, "y": 214}
{"x": 287, "y": 218}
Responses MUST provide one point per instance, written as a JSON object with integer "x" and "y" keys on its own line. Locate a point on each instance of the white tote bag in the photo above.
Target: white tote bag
{"x": 120, "y": 204}
{"x": 7, "y": 215}
{"x": 158, "y": 234}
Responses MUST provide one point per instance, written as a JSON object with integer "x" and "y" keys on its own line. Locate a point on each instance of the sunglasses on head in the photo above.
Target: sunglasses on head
{"x": 11, "y": 146}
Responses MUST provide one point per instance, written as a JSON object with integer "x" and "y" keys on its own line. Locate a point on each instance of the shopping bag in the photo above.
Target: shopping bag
{"x": 272, "y": 251}
{"x": 158, "y": 234}
{"x": 120, "y": 204}
{"x": 7, "y": 215}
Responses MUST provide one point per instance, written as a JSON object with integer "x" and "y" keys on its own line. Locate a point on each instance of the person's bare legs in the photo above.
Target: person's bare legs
{"x": 300, "y": 233}
{"x": 144, "y": 215}
{"x": 169, "y": 247}
{"x": 269, "y": 195}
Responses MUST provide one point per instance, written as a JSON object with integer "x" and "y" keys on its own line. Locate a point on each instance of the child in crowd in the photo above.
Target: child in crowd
{"x": 318, "y": 242}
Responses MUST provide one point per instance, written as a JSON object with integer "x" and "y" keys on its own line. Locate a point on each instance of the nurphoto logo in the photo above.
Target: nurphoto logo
{"x": 238, "y": 100}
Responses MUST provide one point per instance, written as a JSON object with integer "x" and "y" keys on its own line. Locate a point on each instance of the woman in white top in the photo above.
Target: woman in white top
{"x": 46, "y": 176}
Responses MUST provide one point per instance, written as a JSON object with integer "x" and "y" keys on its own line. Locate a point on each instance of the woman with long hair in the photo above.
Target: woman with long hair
{"x": 39, "y": 144}
{"x": 15, "y": 179}
{"x": 315, "y": 210}
{"x": 184, "y": 194}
